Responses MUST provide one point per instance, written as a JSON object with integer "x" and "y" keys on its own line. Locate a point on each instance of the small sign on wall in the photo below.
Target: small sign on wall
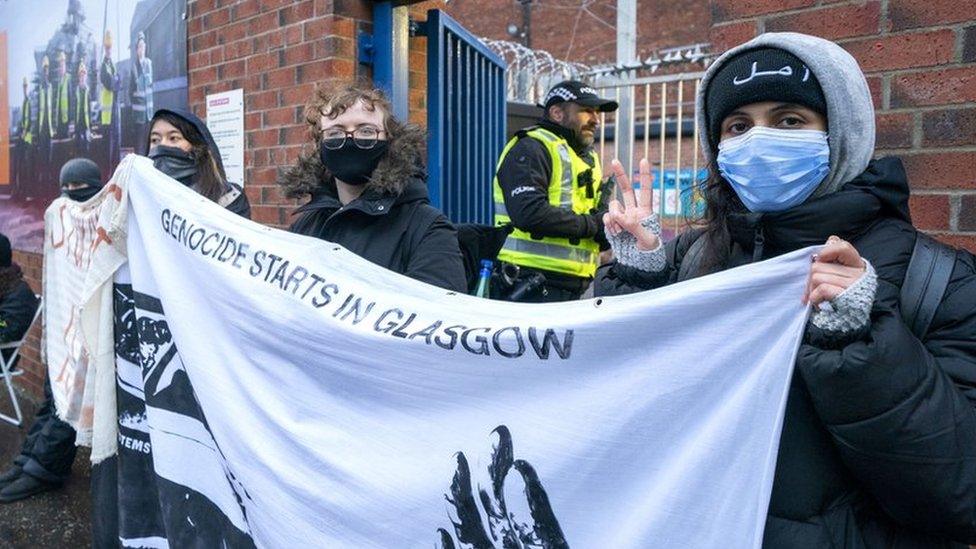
{"x": 225, "y": 119}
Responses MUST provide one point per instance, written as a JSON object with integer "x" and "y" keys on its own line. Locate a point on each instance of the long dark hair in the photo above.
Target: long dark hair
{"x": 210, "y": 179}
{"x": 720, "y": 202}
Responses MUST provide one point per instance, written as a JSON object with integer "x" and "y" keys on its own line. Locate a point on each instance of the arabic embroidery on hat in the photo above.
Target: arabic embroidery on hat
{"x": 785, "y": 71}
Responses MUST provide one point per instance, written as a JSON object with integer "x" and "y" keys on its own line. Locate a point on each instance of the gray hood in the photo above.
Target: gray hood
{"x": 850, "y": 111}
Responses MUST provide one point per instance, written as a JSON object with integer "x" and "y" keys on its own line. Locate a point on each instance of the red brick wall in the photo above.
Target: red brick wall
{"x": 32, "y": 379}
{"x": 920, "y": 60}
{"x": 919, "y": 56}
{"x": 276, "y": 50}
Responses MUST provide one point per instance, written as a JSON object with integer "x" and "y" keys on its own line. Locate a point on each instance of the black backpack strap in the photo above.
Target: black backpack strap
{"x": 925, "y": 282}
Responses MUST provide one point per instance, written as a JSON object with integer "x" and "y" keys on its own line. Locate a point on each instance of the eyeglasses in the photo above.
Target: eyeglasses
{"x": 365, "y": 137}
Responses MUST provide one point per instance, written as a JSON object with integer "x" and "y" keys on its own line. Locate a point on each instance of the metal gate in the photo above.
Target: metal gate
{"x": 465, "y": 119}
{"x": 658, "y": 123}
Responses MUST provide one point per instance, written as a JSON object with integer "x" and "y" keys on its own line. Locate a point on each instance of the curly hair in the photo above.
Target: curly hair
{"x": 403, "y": 161}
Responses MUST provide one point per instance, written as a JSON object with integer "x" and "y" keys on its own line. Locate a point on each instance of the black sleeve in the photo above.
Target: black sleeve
{"x": 524, "y": 179}
{"x": 241, "y": 205}
{"x": 436, "y": 259}
{"x": 16, "y": 313}
{"x": 901, "y": 412}
{"x": 104, "y": 77}
{"x": 615, "y": 278}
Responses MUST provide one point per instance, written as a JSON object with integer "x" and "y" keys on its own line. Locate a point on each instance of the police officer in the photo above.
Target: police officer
{"x": 141, "y": 90}
{"x": 24, "y": 165}
{"x": 82, "y": 110}
{"x": 108, "y": 78}
{"x": 62, "y": 96}
{"x": 45, "y": 127}
{"x": 549, "y": 187}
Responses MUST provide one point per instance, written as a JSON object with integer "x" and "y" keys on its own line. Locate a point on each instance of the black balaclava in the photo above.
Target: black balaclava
{"x": 175, "y": 162}
{"x": 350, "y": 164}
{"x": 763, "y": 74}
{"x": 81, "y": 170}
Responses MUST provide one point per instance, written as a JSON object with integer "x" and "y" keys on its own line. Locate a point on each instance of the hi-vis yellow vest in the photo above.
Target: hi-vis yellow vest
{"x": 25, "y": 122}
{"x": 108, "y": 94}
{"x": 552, "y": 253}
{"x": 61, "y": 105}
{"x": 44, "y": 122}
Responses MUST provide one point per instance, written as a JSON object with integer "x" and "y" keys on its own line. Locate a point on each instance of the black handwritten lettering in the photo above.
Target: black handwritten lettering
{"x": 550, "y": 340}
{"x": 496, "y": 340}
{"x": 401, "y": 330}
{"x": 482, "y": 341}
{"x": 452, "y": 332}
{"x": 427, "y": 332}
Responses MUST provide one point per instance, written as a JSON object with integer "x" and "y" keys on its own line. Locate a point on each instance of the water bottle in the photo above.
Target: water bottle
{"x": 483, "y": 278}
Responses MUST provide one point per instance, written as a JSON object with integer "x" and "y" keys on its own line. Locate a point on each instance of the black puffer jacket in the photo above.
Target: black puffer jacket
{"x": 401, "y": 232}
{"x": 17, "y": 308}
{"x": 879, "y": 441}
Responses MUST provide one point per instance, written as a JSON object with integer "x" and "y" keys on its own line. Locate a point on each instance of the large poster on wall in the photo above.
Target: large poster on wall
{"x": 79, "y": 78}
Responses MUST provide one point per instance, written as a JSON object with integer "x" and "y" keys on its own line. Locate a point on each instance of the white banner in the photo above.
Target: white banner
{"x": 73, "y": 234}
{"x": 317, "y": 399}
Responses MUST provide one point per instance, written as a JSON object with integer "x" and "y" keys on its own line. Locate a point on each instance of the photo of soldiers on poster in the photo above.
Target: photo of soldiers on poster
{"x": 79, "y": 78}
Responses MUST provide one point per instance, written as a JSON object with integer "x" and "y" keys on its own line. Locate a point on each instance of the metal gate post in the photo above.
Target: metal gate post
{"x": 391, "y": 33}
{"x": 626, "y": 55}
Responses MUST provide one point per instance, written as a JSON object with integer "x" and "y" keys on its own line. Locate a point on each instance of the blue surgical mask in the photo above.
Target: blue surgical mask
{"x": 772, "y": 169}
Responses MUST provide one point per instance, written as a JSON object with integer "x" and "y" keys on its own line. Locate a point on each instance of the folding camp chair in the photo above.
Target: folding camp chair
{"x": 7, "y": 364}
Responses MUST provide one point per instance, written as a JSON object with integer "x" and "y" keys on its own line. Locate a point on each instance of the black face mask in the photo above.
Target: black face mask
{"x": 175, "y": 162}
{"x": 350, "y": 164}
{"x": 82, "y": 194}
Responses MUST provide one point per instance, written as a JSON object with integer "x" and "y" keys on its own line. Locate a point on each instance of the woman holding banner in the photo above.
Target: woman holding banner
{"x": 126, "y": 504}
{"x": 180, "y": 145}
{"x": 367, "y": 183}
{"x": 878, "y": 447}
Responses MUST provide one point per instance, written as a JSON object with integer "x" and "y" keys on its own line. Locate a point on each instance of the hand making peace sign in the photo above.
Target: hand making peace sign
{"x": 626, "y": 215}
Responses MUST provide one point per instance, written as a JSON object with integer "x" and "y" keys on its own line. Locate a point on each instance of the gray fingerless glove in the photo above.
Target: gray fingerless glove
{"x": 625, "y": 249}
{"x": 851, "y": 310}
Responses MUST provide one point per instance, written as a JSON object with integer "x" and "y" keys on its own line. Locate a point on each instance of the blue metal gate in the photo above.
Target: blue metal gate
{"x": 465, "y": 119}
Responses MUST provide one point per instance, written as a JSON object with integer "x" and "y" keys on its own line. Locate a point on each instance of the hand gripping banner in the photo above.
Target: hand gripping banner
{"x": 278, "y": 391}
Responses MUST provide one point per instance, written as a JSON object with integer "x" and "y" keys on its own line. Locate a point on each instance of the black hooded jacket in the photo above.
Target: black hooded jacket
{"x": 234, "y": 199}
{"x": 17, "y": 307}
{"x": 878, "y": 448}
{"x": 399, "y": 231}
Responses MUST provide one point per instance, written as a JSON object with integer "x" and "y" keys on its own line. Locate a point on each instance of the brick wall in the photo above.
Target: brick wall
{"x": 919, "y": 56}
{"x": 276, "y": 50}
{"x": 32, "y": 380}
{"x": 920, "y": 60}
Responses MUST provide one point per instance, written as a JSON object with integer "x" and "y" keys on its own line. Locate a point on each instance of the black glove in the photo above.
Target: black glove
{"x": 607, "y": 189}
{"x": 601, "y": 236}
